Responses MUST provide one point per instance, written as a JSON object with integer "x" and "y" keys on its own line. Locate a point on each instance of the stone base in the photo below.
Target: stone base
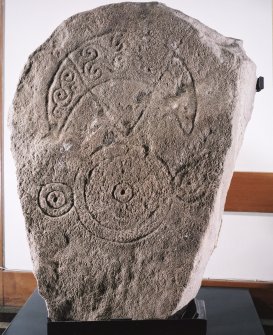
{"x": 189, "y": 320}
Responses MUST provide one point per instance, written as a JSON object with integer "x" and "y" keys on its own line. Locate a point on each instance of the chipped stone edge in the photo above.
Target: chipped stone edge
{"x": 243, "y": 106}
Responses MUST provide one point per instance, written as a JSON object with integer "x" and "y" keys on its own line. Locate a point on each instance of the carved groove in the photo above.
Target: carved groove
{"x": 55, "y": 199}
{"x": 128, "y": 207}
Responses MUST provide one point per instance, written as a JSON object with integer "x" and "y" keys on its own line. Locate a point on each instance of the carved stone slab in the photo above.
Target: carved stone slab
{"x": 125, "y": 127}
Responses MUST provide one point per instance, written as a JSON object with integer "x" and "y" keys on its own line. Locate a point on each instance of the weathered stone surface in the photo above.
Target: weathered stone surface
{"x": 125, "y": 128}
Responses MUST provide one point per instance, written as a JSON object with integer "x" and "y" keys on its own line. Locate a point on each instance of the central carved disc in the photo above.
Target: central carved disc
{"x": 56, "y": 199}
{"x": 125, "y": 196}
{"x": 123, "y": 192}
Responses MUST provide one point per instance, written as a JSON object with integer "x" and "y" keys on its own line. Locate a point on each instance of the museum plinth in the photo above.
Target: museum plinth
{"x": 229, "y": 311}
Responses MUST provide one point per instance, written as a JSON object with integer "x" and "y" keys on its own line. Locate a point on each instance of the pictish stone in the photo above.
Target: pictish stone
{"x": 125, "y": 128}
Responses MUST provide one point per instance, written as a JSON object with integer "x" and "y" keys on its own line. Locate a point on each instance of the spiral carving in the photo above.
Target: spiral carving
{"x": 62, "y": 97}
{"x": 93, "y": 71}
{"x": 67, "y": 76}
{"x": 89, "y": 53}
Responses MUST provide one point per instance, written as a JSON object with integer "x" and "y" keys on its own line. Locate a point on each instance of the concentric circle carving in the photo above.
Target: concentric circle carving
{"x": 55, "y": 199}
{"x": 125, "y": 197}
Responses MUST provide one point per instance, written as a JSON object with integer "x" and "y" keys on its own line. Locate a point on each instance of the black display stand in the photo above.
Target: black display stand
{"x": 229, "y": 312}
{"x": 189, "y": 320}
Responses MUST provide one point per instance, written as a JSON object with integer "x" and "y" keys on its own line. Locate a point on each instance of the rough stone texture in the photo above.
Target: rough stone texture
{"x": 125, "y": 128}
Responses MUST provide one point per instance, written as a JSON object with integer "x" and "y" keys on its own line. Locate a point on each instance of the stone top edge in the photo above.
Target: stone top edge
{"x": 205, "y": 33}
{"x": 235, "y": 44}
